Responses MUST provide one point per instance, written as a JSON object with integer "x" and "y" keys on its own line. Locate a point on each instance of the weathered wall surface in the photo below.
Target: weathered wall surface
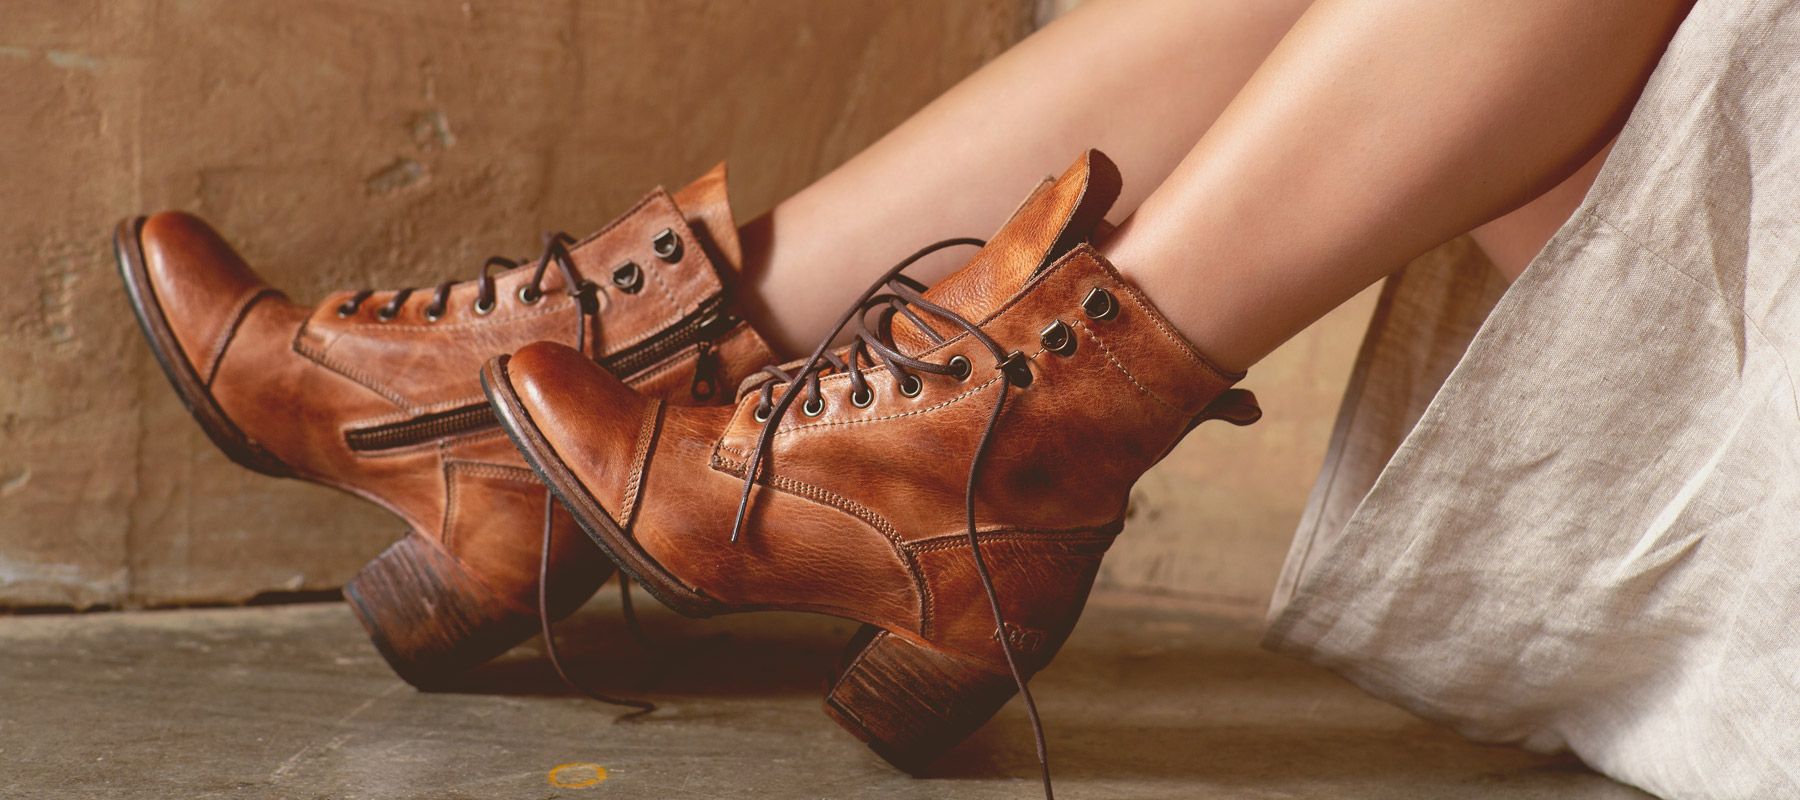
{"x": 401, "y": 143}
{"x": 385, "y": 144}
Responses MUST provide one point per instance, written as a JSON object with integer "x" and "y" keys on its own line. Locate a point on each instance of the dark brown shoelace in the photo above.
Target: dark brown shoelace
{"x": 556, "y": 250}
{"x": 543, "y": 607}
{"x": 902, "y": 296}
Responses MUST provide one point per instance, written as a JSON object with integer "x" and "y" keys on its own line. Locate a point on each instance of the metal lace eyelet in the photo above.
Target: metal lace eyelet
{"x": 529, "y": 295}
{"x": 667, "y": 245}
{"x": 813, "y": 406}
{"x": 628, "y": 277}
{"x": 1017, "y": 369}
{"x": 1100, "y": 304}
{"x": 960, "y": 368}
{"x": 911, "y": 386}
{"x": 344, "y": 311}
{"x": 386, "y": 313}
{"x": 862, "y": 398}
{"x": 1058, "y": 338}
{"x": 762, "y": 413}
{"x": 434, "y": 313}
{"x": 484, "y": 306}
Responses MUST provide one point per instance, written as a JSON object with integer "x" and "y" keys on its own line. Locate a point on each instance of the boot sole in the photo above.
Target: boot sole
{"x": 582, "y": 506}
{"x": 128, "y": 251}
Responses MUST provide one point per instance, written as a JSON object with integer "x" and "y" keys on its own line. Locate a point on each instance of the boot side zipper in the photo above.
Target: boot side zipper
{"x": 703, "y": 325}
{"x": 419, "y": 430}
{"x": 697, "y": 329}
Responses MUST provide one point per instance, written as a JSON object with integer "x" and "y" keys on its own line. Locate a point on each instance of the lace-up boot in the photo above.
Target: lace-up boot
{"x": 951, "y": 478}
{"x": 377, "y": 393}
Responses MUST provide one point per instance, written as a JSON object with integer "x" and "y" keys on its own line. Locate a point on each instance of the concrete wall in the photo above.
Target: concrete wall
{"x": 402, "y": 142}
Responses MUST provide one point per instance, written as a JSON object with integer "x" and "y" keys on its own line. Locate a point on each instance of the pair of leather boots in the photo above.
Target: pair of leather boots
{"x": 951, "y": 478}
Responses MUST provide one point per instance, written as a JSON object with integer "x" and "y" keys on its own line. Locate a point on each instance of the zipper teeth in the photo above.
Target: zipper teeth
{"x": 474, "y": 417}
{"x": 647, "y": 353}
{"x": 465, "y": 419}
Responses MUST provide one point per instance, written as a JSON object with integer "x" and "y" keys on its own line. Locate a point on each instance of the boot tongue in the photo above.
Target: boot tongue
{"x": 1060, "y": 214}
{"x": 707, "y": 208}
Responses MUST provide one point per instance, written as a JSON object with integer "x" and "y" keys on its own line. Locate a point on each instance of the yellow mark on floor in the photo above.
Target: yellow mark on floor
{"x": 576, "y": 776}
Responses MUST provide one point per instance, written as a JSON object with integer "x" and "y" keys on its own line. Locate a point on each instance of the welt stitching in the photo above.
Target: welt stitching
{"x": 217, "y": 356}
{"x": 640, "y": 457}
{"x": 1095, "y": 336}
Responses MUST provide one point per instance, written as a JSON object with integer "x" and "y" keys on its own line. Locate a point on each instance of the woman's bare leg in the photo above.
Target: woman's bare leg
{"x": 1139, "y": 79}
{"x": 1513, "y": 240}
{"x": 1375, "y": 131}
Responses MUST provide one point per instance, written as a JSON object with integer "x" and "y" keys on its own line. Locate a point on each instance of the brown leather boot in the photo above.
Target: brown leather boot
{"x": 968, "y": 458}
{"x": 376, "y": 393}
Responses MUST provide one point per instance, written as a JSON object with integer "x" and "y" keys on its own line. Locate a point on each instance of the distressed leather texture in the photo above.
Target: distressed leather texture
{"x": 299, "y": 382}
{"x": 859, "y": 512}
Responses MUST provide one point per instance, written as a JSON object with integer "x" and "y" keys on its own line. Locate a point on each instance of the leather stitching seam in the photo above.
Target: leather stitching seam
{"x": 483, "y": 469}
{"x": 1074, "y": 536}
{"x": 640, "y": 459}
{"x": 866, "y": 420}
{"x": 1156, "y": 320}
{"x": 1095, "y": 336}
{"x": 305, "y": 348}
{"x": 658, "y": 194}
{"x": 217, "y": 354}
{"x": 473, "y": 469}
{"x": 449, "y": 522}
{"x": 558, "y": 305}
{"x": 827, "y": 497}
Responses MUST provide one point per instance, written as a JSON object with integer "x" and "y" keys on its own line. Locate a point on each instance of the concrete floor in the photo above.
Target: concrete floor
{"x": 1150, "y": 699}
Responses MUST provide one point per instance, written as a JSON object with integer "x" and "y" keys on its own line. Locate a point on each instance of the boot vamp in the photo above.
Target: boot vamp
{"x": 866, "y": 507}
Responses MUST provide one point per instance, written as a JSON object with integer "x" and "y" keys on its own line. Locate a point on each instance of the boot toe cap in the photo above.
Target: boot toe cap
{"x": 200, "y": 284}
{"x": 591, "y": 423}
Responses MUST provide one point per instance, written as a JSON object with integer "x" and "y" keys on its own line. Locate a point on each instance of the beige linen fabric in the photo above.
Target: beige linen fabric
{"x": 1589, "y": 536}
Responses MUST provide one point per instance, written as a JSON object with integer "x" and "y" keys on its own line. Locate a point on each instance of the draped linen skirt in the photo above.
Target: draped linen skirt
{"x": 1566, "y": 513}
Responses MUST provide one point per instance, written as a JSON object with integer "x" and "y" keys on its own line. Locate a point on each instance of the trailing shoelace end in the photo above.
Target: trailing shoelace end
{"x": 642, "y": 707}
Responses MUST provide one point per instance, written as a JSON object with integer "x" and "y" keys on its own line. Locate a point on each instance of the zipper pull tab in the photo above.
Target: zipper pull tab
{"x": 706, "y": 371}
